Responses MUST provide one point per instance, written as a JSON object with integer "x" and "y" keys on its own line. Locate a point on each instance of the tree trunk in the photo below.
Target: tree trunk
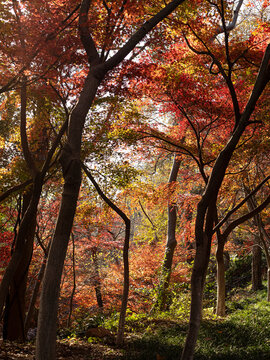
{"x": 206, "y": 209}
{"x": 97, "y": 283}
{"x": 221, "y": 290}
{"x": 256, "y": 267}
{"x": 74, "y": 281}
{"x": 197, "y": 284}
{"x": 122, "y": 319}
{"x": 15, "y": 303}
{"x": 268, "y": 284}
{"x": 47, "y": 320}
{"x": 23, "y": 241}
{"x": 170, "y": 245}
{"x": 256, "y": 249}
{"x": 30, "y": 316}
{"x": 71, "y": 167}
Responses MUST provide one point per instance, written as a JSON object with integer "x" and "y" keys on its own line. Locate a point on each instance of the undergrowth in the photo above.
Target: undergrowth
{"x": 243, "y": 334}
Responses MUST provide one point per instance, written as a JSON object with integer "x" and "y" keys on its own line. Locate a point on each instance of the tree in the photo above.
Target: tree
{"x": 206, "y": 209}
{"x": 223, "y": 59}
{"x": 70, "y": 161}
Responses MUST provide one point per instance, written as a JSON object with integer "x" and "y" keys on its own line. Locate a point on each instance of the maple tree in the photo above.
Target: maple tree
{"x": 196, "y": 80}
{"x": 70, "y": 157}
{"x": 211, "y": 110}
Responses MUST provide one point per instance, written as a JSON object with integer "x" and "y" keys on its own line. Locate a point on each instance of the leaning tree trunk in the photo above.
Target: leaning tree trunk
{"x": 70, "y": 161}
{"x": 122, "y": 318}
{"x": 206, "y": 209}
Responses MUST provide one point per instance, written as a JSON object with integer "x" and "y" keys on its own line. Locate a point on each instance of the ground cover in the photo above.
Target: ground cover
{"x": 243, "y": 334}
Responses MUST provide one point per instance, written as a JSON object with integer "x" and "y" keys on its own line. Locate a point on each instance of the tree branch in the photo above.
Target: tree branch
{"x": 229, "y": 213}
{"x": 86, "y": 38}
{"x": 24, "y": 142}
{"x": 15, "y": 188}
{"x": 140, "y": 34}
{"x": 246, "y": 217}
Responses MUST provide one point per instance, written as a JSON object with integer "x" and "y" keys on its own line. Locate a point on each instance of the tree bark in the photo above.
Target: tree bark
{"x": 256, "y": 249}
{"x": 264, "y": 237}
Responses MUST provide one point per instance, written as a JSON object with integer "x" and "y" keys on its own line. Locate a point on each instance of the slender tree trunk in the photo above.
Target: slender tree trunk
{"x": 170, "y": 245}
{"x": 122, "y": 319}
{"x": 221, "y": 290}
{"x": 263, "y": 237}
{"x": 97, "y": 283}
{"x": 206, "y": 214}
{"x": 31, "y": 307}
{"x": 206, "y": 209}
{"x": 256, "y": 267}
{"x": 74, "y": 281}
{"x": 47, "y": 320}
{"x": 256, "y": 249}
{"x": 268, "y": 284}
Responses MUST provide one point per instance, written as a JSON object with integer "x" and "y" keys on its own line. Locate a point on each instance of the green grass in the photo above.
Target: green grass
{"x": 243, "y": 335}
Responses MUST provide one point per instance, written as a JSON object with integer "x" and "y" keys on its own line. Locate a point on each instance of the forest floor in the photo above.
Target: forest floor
{"x": 68, "y": 351}
{"x": 244, "y": 334}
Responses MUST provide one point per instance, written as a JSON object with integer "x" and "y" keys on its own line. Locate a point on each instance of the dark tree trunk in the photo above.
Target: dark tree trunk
{"x": 24, "y": 243}
{"x": 256, "y": 267}
{"x": 256, "y": 248}
{"x": 221, "y": 286}
{"x": 74, "y": 281}
{"x": 31, "y": 319}
{"x": 206, "y": 210}
{"x": 71, "y": 166}
{"x": 122, "y": 318}
{"x": 15, "y": 303}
